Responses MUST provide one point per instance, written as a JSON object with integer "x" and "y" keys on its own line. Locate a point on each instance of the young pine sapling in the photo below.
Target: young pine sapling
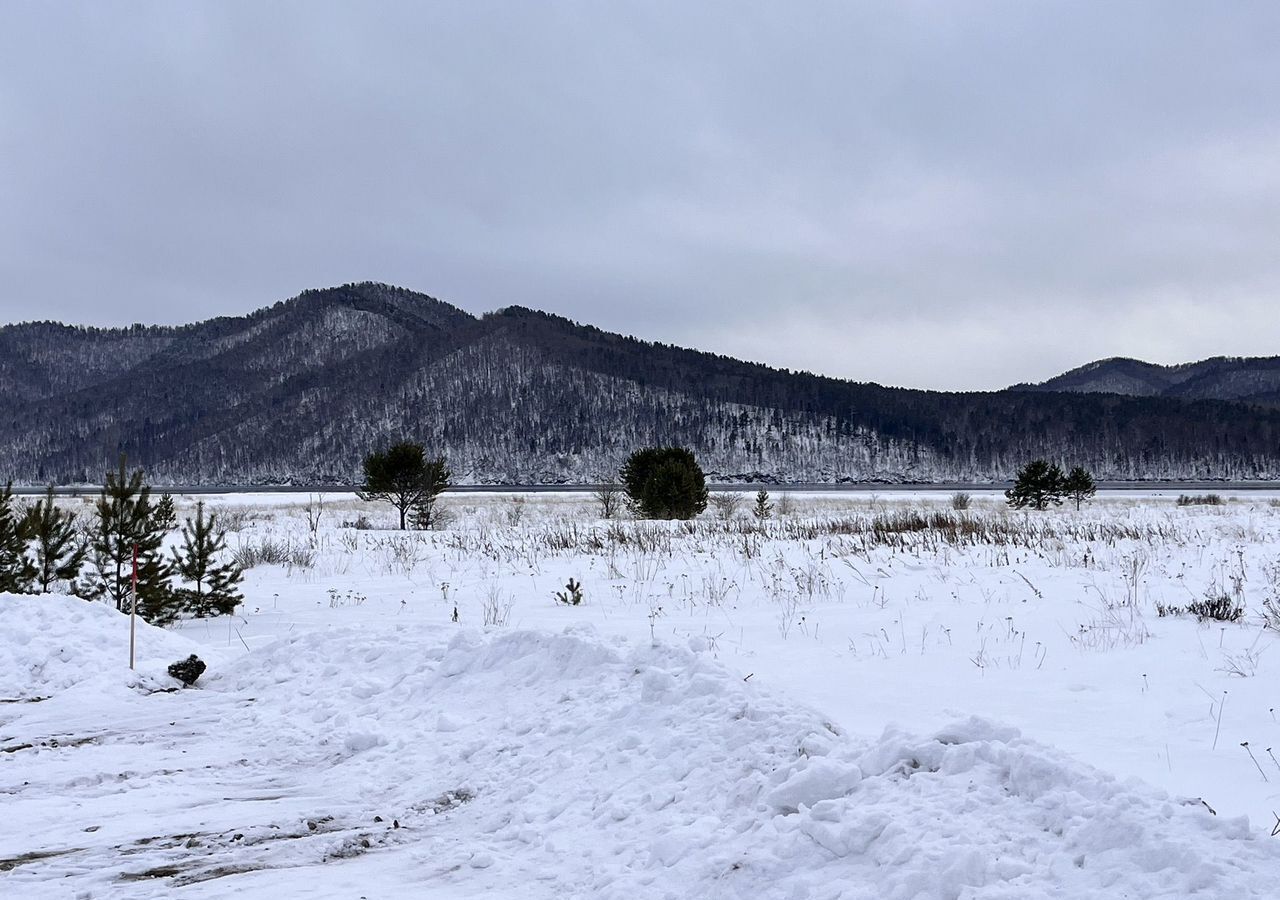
{"x": 60, "y": 551}
{"x": 214, "y": 588}
{"x": 16, "y": 570}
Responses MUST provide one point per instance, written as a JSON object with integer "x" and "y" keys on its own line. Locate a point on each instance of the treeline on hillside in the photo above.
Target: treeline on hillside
{"x": 297, "y": 392}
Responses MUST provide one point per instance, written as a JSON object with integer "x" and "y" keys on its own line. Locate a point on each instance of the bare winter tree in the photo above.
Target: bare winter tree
{"x": 786, "y": 505}
{"x": 726, "y": 504}
{"x": 608, "y": 498}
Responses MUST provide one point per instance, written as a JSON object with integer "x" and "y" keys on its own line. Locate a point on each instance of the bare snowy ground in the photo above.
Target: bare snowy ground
{"x": 835, "y": 706}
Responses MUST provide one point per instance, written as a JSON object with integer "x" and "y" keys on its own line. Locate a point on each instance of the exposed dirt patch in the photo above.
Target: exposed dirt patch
{"x": 215, "y": 872}
{"x": 447, "y": 801}
{"x": 12, "y": 862}
{"x": 157, "y": 872}
{"x": 54, "y": 743}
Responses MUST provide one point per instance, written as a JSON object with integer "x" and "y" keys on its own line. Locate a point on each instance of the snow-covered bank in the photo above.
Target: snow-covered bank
{"x": 49, "y": 643}
{"x": 387, "y": 759}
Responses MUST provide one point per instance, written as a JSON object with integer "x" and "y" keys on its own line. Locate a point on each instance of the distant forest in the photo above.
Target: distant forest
{"x": 299, "y": 392}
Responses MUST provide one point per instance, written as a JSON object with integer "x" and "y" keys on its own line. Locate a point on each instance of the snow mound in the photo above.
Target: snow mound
{"x": 49, "y": 642}
{"x": 425, "y": 762}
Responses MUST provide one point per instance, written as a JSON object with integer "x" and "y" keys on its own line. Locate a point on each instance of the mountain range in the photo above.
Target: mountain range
{"x": 300, "y": 391}
{"x": 1249, "y": 380}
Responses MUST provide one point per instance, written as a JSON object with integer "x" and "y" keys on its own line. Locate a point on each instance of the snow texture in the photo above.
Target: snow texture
{"x": 398, "y": 760}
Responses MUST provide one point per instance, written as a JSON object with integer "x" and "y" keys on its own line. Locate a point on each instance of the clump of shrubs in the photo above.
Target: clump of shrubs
{"x": 726, "y": 504}
{"x": 1271, "y": 614}
{"x": 1200, "y": 500}
{"x": 264, "y": 553}
{"x": 1214, "y": 607}
{"x": 1218, "y": 607}
{"x": 236, "y": 518}
{"x": 960, "y": 501}
{"x": 273, "y": 553}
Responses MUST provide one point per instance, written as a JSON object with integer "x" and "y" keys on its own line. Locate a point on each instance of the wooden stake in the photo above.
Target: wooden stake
{"x": 133, "y": 613}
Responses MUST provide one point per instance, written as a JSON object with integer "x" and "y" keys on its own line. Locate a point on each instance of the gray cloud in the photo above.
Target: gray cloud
{"x": 938, "y": 194}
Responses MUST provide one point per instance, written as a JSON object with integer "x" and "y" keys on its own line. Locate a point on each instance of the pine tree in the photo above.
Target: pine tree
{"x": 1038, "y": 484}
{"x": 404, "y": 477}
{"x": 1079, "y": 485}
{"x": 215, "y": 592}
{"x": 427, "y": 511}
{"x": 16, "y": 570}
{"x": 125, "y": 518}
{"x": 664, "y": 483}
{"x": 166, "y": 517}
{"x": 763, "y": 508}
{"x": 60, "y": 552}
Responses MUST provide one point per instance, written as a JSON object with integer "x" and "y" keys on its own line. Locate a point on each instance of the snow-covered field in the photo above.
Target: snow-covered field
{"x": 854, "y": 702}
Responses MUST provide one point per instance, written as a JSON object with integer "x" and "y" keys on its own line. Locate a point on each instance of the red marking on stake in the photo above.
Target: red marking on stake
{"x": 133, "y": 612}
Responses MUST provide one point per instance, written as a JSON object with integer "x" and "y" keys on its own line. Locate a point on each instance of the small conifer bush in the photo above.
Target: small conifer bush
{"x": 664, "y": 483}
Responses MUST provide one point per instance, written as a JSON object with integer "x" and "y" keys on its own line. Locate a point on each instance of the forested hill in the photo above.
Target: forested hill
{"x": 1247, "y": 379}
{"x": 300, "y": 391}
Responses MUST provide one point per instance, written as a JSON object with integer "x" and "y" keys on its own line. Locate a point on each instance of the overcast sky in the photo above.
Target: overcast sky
{"x": 933, "y": 194}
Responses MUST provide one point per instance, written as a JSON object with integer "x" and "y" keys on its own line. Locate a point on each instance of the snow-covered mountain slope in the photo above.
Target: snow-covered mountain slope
{"x": 301, "y": 391}
{"x": 1246, "y": 379}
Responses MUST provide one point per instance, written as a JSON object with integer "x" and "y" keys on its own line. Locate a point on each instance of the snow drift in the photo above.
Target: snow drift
{"x": 51, "y": 641}
{"x": 386, "y": 761}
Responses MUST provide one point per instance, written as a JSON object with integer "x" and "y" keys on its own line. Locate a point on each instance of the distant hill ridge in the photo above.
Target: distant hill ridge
{"x": 300, "y": 391}
{"x": 1243, "y": 379}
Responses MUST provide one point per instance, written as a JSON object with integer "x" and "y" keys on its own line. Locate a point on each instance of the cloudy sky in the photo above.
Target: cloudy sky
{"x": 935, "y": 194}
